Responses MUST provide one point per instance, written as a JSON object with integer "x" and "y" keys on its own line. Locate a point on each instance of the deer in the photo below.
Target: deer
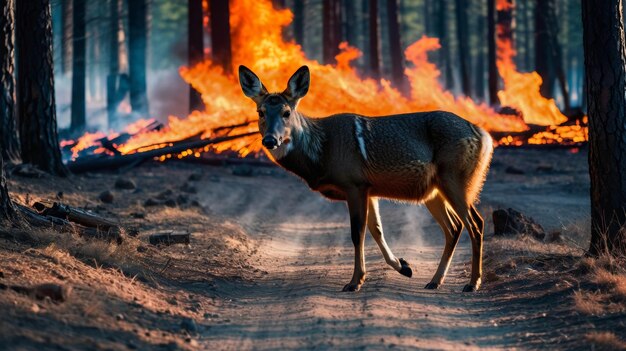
{"x": 436, "y": 158}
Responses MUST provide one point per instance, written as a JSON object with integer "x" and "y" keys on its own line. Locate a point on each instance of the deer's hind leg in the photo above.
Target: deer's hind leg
{"x": 451, "y": 226}
{"x": 376, "y": 230}
{"x": 455, "y": 194}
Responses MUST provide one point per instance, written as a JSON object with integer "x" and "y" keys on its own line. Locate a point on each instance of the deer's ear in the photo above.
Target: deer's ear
{"x": 298, "y": 84}
{"x": 250, "y": 83}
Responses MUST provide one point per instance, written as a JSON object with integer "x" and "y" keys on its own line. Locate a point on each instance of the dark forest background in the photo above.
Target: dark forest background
{"x": 461, "y": 26}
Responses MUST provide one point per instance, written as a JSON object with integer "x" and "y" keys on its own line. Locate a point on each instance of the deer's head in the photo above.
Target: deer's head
{"x": 276, "y": 110}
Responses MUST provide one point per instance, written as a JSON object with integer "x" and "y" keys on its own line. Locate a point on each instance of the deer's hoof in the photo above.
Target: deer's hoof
{"x": 352, "y": 287}
{"x": 406, "y": 268}
{"x": 432, "y": 286}
{"x": 470, "y": 288}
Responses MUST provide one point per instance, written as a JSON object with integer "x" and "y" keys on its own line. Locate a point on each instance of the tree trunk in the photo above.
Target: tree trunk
{"x": 7, "y": 211}
{"x": 298, "y": 21}
{"x": 8, "y": 134}
{"x": 444, "y": 52}
{"x": 527, "y": 35}
{"x": 66, "y": 36}
{"x": 37, "y": 121}
{"x": 195, "y": 47}
{"x": 427, "y": 18}
{"x": 462, "y": 31}
{"x": 491, "y": 53}
{"x": 544, "y": 64}
{"x": 557, "y": 56}
{"x": 220, "y": 34}
{"x": 479, "y": 72}
{"x": 374, "y": 40}
{"x": 137, "y": 51}
{"x": 331, "y": 28}
{"x": 351, "y": 21}
{"x": 605, "y": 74}
{"x": 113, "y": 99}
{"x": 79, "y": 66}
{"x": 395, "y": 47}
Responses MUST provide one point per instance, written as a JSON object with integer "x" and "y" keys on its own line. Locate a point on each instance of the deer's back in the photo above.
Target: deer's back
{"x": 399, "y": 155}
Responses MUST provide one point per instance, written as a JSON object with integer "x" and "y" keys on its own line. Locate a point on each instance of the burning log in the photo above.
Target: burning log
{"x": 169, "y": 238}
{"x": 114, "y": 162}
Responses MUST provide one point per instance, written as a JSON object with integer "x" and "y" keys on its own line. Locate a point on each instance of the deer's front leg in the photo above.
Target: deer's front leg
{"x": 357, "y": 205}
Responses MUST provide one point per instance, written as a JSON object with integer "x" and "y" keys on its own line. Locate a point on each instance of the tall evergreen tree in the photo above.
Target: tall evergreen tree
{"x": 8, "y": 134}
{"x": 374, "y": 40}
{"x": 605, "y": 74}
{"x": 114, "y": 63}
{"x": 37, "y": 122}
{"x": 195, "y": 47}
{"x": 395, "y": 46}
{"x": 137, "y": 52}
{"x": 331, "y": 29}
{"x": 79, "y": 66}
{"x": 220, "y": 34}
{"x": 462, "y": 32}
{"x": 492, "y": 68}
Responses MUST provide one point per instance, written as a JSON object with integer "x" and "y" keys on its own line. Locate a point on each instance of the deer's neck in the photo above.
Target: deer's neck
{"x": 303, "y": 155}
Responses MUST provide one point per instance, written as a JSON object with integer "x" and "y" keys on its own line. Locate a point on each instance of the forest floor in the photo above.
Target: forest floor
{"x": 268, "y": 259}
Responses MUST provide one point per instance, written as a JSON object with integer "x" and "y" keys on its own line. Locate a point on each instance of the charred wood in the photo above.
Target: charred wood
{"x": 102, "y": 162}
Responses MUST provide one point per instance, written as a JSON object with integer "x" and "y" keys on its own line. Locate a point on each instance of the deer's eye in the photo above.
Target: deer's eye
{"x": 261, "y": 114}
{"x": 286, "y": 114}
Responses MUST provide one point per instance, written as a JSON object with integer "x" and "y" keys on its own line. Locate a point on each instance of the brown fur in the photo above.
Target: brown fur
{"x": 432, "y": 157}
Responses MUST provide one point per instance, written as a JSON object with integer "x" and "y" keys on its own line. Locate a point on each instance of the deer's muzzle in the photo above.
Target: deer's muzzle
{"x": 270, "y": 142}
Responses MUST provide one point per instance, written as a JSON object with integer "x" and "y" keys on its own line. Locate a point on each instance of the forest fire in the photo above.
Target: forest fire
{"x": 257, "y": 42}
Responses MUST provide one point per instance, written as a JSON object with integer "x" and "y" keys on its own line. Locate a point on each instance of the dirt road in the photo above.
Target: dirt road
{"x": 305, "y": 257}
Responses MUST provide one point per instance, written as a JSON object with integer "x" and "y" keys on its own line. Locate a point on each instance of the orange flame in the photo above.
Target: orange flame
{"x": 257, "y": 42}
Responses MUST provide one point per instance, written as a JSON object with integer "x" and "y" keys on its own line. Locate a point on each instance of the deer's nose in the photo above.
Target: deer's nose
{"x": 270, "y": 142}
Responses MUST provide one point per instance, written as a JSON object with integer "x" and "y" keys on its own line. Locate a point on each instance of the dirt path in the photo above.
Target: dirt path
{"x": 305, "y": 258}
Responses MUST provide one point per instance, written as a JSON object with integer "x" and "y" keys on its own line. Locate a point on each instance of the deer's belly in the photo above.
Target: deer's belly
{"x": 411, "y": 182}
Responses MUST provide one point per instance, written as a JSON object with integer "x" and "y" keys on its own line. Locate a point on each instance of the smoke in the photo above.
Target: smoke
{"x": 282, "y": 211}
{"x": 168, "y": 94}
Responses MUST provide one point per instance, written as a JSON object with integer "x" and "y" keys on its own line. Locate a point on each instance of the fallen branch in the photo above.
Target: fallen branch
{"x": 62, "y": 225}
{"x": 104, "y": 162}
{"x": 75, "y": 215}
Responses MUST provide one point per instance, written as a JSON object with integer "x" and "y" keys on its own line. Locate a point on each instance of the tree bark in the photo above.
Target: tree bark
{"x": 37, "y": 122}
{"x": 492, "y": 68}
{"x": 605, "y": 74}
{"x": 79, "y": 66}
{"x": 114, "y": 63}
{"x": 556, "y": 52}
{"x": 9, "y": 145}
{"x": 66, "y": 36}
{"x": 462, "y": 31}
{"x": 7, "y": 211}
{"x": 444, "y": 52}
{"x": 331, "y": 30}
{"x": 395, "y": 47}
{"x": 195, "y": 48}
{"x": 298, "y": 21}
{"x": 479, "y": 70}
{"x": 220, "y": 34}
{"x": 137, "y": 51}
{"x": 374, "y": 40}
{"x": 544, "y": 64}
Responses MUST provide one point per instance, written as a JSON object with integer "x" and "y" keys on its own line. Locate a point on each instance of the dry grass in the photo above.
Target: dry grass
{"x": 605, "y": 341}
{"x": 590, "y": 303}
